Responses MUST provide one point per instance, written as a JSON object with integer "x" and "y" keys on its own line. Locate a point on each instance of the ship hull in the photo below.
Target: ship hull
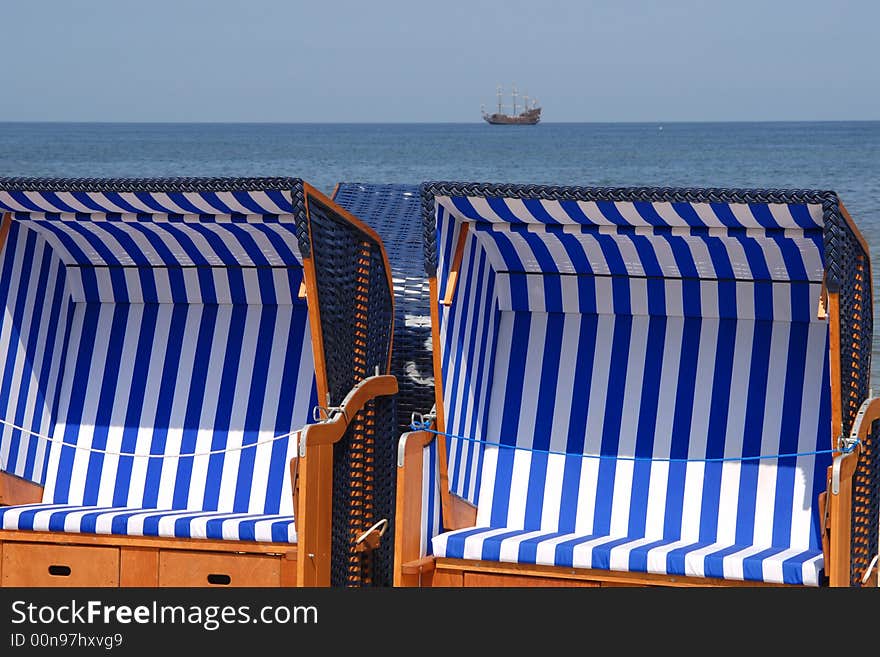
{"x": 526, "y": 118}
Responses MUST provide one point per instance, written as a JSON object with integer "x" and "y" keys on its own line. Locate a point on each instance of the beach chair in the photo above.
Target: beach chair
{"x": 643, "y": 387}
{"x": 195, "y": 379}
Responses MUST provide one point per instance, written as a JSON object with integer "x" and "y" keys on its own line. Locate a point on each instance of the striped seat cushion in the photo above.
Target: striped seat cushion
{"x": 664, "y": 556}
{"x": 635, "y": 386}
{"x": 125, "y": 521}
{"x": 158, "y": 359}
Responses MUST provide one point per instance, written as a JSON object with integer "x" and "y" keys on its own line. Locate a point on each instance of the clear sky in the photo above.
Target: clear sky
{"x": 413, "y": 61}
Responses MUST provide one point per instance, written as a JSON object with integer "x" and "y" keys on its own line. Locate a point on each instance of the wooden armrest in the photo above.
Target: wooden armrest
{"x": 331, "y": 430}
{"x": 412, "y": 442}
{"x": 408, "y": 508}
{"x": 843, "y": 468}
{"x": 845, "y": 463}
{"x": 16, "y": 490}
{"x": 839, "y": 500}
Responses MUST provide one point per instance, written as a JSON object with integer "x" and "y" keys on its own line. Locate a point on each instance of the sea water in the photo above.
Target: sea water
{"x": 839, "y": 156}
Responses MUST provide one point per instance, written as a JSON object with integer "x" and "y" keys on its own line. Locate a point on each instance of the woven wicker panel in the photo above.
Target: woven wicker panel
{"x": 394, "y": 212}
{"x": 170, "y": 184}
{"x": 856, "y": 332}
{"x": 355, "y": 308}
{"x": 866, "y": 509}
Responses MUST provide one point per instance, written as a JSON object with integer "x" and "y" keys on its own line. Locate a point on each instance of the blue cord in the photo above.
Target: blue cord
{"x": 426, "y": 427}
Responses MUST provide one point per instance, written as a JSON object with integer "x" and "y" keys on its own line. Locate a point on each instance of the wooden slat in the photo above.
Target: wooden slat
{"x": 5, "y": 225}
{"x": 16, "y": 490}
{"x": 483, "y": 580}
{"x": 455, "y": 267}
{"x": 309, "y": 279}
{"x": 448, "y": 578}
{"x": 288, "y": 570}
{"x": 138, "y": 566}
{"x": 315, "y": 469}
{"x": 840, "y": 519}
{"x": 314, "y": 516}
{"x": 462, "y": 512}
{"x": 445, "y": 566}
{"x": 408, "y": 507}
{"x": 834, "y": 363}
{"x": 211, "y": 545}
{"x": 440, "y": 422}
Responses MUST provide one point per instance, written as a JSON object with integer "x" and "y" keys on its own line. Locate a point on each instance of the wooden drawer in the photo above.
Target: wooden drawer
{"x": 46, "y": 564}
{"x": 190, "y": 568}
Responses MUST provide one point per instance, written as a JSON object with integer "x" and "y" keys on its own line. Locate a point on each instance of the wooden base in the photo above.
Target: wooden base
{"x": 50, "y": 559}
{"x": 466, "y": 573}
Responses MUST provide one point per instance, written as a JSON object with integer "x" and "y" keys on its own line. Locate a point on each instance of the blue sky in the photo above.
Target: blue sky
{"x": 391, "y": 60}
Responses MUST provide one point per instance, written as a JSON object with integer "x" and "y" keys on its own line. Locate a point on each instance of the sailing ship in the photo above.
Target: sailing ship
{"x": 530, "y": 114}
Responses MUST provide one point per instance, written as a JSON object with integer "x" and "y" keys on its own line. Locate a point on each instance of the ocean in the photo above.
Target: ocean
{"x": 839, "y": 156}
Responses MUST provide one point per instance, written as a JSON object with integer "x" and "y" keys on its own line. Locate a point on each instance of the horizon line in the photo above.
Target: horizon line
{"x": 472, "y": 122}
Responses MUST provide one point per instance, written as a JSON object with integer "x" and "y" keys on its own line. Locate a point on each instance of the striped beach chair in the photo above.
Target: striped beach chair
{"x": 195, "y": 377}
{"x": 643, "y": 386}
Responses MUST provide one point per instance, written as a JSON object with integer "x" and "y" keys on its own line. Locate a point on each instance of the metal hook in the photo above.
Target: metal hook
{"x": 328, "y": 413}
{"x": 421, "y": 420}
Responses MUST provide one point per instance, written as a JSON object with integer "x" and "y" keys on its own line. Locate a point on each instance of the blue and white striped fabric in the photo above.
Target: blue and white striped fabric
{"x": 600, "y": 359}
{"x": 161, "y": 325}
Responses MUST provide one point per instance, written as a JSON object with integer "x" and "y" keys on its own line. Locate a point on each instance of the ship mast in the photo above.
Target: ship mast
{"x": 514, "y": 100}
{"x": 499, "y": 99}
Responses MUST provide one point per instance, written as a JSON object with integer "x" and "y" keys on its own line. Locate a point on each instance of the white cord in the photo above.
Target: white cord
{"x": 150, "y": 456}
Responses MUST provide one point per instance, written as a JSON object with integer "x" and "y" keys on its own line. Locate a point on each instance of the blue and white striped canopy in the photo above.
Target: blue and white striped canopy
{"x": 155, "y": 348}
